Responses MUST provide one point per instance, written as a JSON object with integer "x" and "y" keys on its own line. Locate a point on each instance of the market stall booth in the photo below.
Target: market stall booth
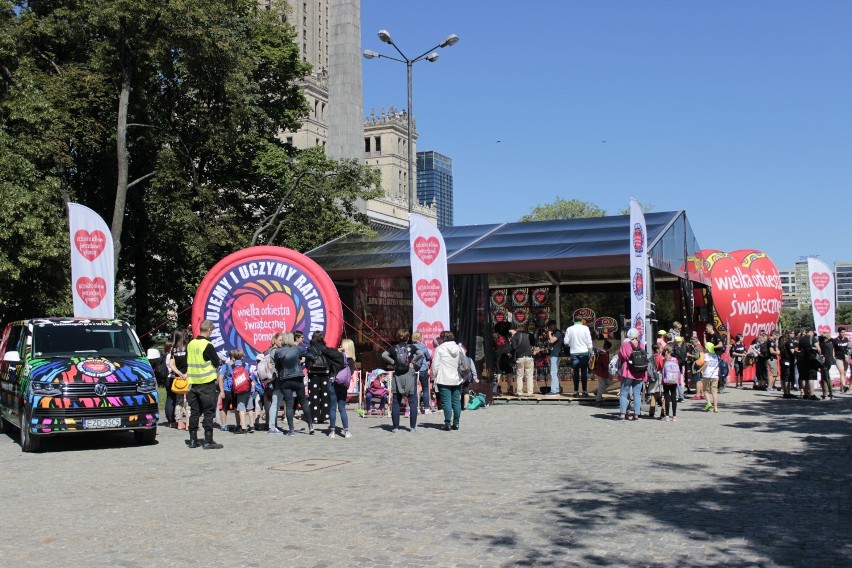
{"x": 520, "y": 274}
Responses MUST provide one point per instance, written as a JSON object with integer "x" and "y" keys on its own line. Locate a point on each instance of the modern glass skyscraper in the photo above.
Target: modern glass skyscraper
{"x": 435, "y": 184}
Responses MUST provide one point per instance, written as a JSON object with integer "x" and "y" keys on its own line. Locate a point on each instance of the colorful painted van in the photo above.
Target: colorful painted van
{"x": 65, "y": 375}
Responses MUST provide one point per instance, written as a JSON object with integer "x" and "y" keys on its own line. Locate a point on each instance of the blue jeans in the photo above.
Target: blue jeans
{"x": 412, "y": 406}
{"x": 580, "y": 366}
{"x": 423, "y": 377}
{"x": 636, "y": 386}
{"x": 337, "y": 401}
{"x": 554, "y": 375}
{"x": 450, "y": 396}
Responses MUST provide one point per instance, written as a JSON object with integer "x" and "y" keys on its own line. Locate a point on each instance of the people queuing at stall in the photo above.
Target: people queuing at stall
{"x": 200, "y": 385}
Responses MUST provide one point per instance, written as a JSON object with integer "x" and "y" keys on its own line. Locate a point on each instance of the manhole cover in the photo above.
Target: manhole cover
{"x": 308, "y": 466}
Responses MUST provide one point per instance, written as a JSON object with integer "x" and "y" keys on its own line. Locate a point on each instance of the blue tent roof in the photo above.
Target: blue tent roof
{"x": 565, "y": 245}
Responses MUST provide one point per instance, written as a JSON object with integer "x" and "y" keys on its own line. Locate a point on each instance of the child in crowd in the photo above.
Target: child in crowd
{"x": 226, "y": 388}
{"x": 672, "y": 378}
{"x": 378, "y": 389}
{"x": 181, "y": 412}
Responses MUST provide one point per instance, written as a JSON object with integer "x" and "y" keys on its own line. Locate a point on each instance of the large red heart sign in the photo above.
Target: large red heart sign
{"x": 427, "y": 250}
{"x": 90, "y": 245}
{"x": 256, "y": 319}
{"x": 91, "y": 291}
{"x": 429, "y": 291}
{"x": 430, "y": 331}
{"x": 820, "y": 280}
{"x": 746, "y": 291}
{"x": 822, "y": 306}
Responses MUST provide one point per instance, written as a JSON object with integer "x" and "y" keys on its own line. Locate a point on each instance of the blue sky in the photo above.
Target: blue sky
{"x": 738, "y": 111}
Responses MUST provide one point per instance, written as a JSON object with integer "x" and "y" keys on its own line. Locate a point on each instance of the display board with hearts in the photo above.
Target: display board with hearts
{"x": 540, "y": 297}
{"x": 254, "y": 293}
{"x": 746, "y": 290}
{"x": 499, "y": 297}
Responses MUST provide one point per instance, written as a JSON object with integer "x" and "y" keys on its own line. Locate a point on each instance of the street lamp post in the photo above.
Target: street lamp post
{"x": 429, "y": 56}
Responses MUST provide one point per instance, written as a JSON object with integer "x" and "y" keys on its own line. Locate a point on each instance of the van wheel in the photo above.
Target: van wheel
{"x": 29, "y": 442}
{"x": 145, "y": 437}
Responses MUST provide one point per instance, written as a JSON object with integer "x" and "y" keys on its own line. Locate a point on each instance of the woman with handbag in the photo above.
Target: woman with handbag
{"x": 178, "y": 384}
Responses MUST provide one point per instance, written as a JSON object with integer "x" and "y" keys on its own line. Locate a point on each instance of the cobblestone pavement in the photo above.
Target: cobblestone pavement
{"x": 765, "y": 482}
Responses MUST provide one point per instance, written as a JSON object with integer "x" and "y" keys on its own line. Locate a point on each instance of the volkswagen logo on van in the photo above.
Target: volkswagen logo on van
{"x": 98, "y": 368}
{"x": 100, "y": 389}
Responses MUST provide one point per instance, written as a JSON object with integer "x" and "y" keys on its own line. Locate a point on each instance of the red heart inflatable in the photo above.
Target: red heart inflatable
{"x": 746, "y": 290}
{"x": 90, "y": 245}
{"x": 91, "y": 291}
{"x": 430, "y": 331}
{"x": 820, "y": 280}
{"x": 427, "y": 250}
{"x": 429, "y": 291}
{"x": 822, "y": 306}
{"x": 257, "y": 319}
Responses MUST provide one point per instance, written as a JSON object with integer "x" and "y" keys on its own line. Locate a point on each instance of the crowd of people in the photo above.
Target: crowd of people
{"x": 202, "y": 389}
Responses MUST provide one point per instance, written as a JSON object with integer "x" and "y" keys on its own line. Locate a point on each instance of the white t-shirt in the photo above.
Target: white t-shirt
{"x": 579, "y": 339}
{"x": 711, "y": 366}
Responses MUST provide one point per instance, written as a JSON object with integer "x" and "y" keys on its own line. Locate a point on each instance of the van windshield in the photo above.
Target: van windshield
{"x": 84, "y": 339}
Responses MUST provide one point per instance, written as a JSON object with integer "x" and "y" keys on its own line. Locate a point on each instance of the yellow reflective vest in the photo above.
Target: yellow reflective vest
{"x": 199, "y": 371}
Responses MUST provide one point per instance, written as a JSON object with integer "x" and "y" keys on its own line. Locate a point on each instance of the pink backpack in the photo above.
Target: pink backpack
{"x": 671, "y": 371}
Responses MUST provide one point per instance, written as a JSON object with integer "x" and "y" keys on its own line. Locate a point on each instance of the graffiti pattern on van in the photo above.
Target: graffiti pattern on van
{"x": 81, "y": 378}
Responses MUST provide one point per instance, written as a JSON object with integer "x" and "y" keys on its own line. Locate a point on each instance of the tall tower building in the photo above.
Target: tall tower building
{"x": 435, "y": 184}
{"x": 329, "y": 38}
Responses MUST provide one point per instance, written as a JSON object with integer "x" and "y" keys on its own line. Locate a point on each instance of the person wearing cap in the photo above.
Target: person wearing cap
{"x": 631, "y": 380}
{"x": 661, "y": 338}
{"x": 710, "y": 377}
{"x": 377, "y": 389}
{"x": 579, "y": 340}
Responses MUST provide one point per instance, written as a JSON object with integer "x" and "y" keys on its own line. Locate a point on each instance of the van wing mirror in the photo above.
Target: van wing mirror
{"x": 12, "y": 357}
{"x": 153, "y": 354}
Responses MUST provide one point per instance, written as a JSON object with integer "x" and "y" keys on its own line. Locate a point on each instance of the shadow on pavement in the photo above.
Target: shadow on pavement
{"x": 778, "y": 508}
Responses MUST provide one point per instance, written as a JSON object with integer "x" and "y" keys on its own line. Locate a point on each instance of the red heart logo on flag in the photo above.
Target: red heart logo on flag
{"x": 429, "y": 291}
{"x": 430, "y": 331}
{"x": 427, "y": 250}
{"x": 90, "y": 245}
{"x": 822, "y": 306}
{"x": 256, "y": 319}
{"x": 820, "y": 280}
{"x": 91, "y": 291}
{"x": 822, "y": 329}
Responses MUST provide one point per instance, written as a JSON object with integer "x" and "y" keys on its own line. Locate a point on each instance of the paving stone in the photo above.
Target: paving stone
{"x": 765, "y": 482}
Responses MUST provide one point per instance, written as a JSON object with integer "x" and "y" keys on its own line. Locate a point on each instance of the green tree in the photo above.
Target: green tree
{"x": 564, "y": 209}
{"x": 843, "y": 315}
{"x": 164, "y": 118}
{"x": 645, "y": 209}
{"x": 796, "y": 318}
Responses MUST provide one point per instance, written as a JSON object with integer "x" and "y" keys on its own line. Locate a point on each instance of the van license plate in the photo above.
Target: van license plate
{"x": 93, "y": 423}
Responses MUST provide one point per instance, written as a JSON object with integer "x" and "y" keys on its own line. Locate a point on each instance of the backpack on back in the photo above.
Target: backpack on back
{"x": 344, "y": 375}
{"x": 638, "y": 361}
{"x": 266, "y": 369}
{"x": 671, "y": 371}
{"x": 402, "y": 359}
{"x": 242, "y": 380}
{"x": 162, "y": 370}
{"x": 464, "y": 366}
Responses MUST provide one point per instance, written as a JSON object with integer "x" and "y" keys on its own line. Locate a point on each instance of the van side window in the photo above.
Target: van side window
{"x": 14, "y": 339}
